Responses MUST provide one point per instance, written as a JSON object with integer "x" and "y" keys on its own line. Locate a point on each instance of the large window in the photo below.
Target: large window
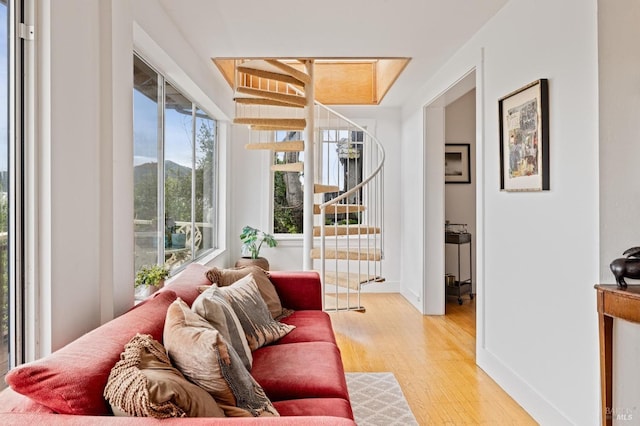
{"x": 288, "y": 196}
{"x": 340, "y": 155}
{"x": 5, "y": 289}
{"x": 175, "y": 152}
{"x": 11, "y": 104}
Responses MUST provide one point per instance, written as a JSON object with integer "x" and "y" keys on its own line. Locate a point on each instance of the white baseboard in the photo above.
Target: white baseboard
{"x": 383, "y": 287}
{"x": 539, "y": 408}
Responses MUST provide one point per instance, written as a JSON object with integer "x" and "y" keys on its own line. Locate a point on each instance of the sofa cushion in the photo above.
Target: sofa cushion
{"x": 186, "y": 283}
{"x": 200, "y": 352}
{"x": 301, "y": 290}
{"x": 13, "y": 402}
{"x": 212, "y": 306}
{"x": 311, "y": 326}
{"x": 336, "y": 407}
{"x": 226, "y": 277}
{"x": 71, "y": 380}
{"x": 145, "y": 384}
{"x": 301, "y": 370}
{"x": 258, "y": 325}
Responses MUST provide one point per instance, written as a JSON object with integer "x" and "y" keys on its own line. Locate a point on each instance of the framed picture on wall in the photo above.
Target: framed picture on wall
{"x": 457, "y": 164}
{"x": 524, "y": 138}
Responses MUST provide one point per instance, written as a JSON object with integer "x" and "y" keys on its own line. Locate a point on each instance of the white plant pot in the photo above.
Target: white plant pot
{"x": 145, "y": 291}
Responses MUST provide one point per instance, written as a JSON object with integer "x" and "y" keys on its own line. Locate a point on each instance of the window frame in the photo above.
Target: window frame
{"x": 196, "y": 255}
{"x": 319, "y": 158}
{"x": 20, "y": 77}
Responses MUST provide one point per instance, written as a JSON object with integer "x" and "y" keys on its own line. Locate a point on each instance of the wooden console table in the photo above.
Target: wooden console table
{"x": 613, "y": 302}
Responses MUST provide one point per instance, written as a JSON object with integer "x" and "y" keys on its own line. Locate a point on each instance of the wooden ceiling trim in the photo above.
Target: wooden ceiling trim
{"x": 387, "y": 72}
{"x": 342, "y": 81}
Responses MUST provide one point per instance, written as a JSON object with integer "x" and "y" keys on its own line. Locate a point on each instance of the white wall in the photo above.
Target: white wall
{"x": 460, "y": 199}
{"x": 536, "y": 324}
{"x": 619, "y": 78}
{"x": 70, "y": 205}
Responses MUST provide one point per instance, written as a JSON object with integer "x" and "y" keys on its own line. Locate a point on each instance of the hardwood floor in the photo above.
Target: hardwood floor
{"x": 433, "y": 358}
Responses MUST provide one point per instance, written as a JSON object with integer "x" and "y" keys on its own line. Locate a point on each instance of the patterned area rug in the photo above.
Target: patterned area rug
{"x": 377, "y": 400}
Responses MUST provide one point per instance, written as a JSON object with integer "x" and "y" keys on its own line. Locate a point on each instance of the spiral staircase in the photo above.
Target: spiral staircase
{"x": 343, "y": 232}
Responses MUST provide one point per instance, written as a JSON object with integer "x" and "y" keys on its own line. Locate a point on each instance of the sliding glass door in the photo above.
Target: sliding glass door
{"x": 7, "y": 285}
{"x": 4, "y": 172}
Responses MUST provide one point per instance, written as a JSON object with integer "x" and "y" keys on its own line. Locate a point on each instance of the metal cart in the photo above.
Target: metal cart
{"x": 460, "y": 287}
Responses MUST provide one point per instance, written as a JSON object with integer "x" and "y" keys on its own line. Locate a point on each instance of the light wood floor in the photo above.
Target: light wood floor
{"x": 433, "y": 358}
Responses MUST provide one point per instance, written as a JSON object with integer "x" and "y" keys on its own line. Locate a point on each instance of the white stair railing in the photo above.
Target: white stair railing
{"x": 351, "y": 251}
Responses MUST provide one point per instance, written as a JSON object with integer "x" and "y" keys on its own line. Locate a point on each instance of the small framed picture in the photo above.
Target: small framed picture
{"x": 524, "y": 138}
{"x": 457, "y": 164}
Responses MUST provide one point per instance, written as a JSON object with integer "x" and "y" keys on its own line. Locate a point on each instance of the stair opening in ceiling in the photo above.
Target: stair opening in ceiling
{"x": 340, "y": 81}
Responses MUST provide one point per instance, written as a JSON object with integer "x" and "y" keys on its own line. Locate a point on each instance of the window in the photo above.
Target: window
{"x": 5, "y": 289}
{"x": 340, "y": 155}
{"x": 10, "y": 106}
{"x": 288, "y": 197}
{"x": 175, "y": 155}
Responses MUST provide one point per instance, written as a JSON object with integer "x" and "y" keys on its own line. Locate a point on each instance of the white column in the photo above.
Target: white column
{"x": 309, "y": 179}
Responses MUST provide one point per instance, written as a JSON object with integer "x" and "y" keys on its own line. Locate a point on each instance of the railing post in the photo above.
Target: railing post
{"x": 309, "y": 178}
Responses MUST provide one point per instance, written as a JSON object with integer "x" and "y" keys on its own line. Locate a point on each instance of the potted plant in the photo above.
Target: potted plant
{"x": 252, "y": 240}
{"x": 150, "y": 279}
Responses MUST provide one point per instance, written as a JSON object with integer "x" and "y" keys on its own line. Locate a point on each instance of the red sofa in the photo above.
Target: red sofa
{"x": 302, "y": 373}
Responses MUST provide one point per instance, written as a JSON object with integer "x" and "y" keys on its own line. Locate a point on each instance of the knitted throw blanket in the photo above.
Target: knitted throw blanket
{"x": 127, "y": 387}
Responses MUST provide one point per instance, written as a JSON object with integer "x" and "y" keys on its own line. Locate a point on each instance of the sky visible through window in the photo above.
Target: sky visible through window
{"x": 146, "y": 146}
{"x": 4, "y": 140}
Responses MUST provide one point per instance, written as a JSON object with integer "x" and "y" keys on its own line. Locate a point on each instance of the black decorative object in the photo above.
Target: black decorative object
{"x": 628, "y": 266}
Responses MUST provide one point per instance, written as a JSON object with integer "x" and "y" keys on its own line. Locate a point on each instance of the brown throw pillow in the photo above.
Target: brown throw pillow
{"x": 145, "y": 384}
{"x": 212, "y": 306}
{"x": 226, "y": 277}
{"x": 200, "y": 352}
{"x": 258, "y": 325}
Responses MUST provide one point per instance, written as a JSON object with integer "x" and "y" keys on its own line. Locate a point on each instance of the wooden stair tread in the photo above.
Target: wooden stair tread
{"x": 285, "y": 146}
{"x": 331, "y": 230}
{"x": 353, "y": 280}
{"x": 271, "y": 128}
{"x": 276, "y": 96}
{"x": 265, "y": 101}
{"x": 280, "y": 123}
{"x": 288, "y": 167}
{"x": 339, "y": 208}
{"x": 293, "y": 72}
{"x": 348, "y": 254}
{"x": 320, "y": 188}
{"x": 263, "y": 69}
{"x": 343, "y": 302}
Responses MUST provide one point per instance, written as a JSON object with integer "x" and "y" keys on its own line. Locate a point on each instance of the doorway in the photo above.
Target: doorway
{"x": 460, "y": 198}
{"x": 450, "y": 118}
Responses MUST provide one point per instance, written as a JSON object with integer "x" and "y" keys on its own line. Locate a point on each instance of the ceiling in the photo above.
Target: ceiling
{"x": 427, "y": 31}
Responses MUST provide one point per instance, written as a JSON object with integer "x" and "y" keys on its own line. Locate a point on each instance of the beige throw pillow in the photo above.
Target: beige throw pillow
{"x": 212, "y": 306}
{"x": 200, "y": 352}
{"x": 145, "y": 384}
{"x": 226, "y": 277}
{"x": 258, "y": 325}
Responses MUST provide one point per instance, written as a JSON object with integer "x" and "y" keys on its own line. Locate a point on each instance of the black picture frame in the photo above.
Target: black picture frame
{"x": 524, "y": 138}
{"x": 457, "y": 163}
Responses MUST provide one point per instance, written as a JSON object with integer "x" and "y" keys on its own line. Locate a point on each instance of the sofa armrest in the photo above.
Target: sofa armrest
{"x": 298, "y": 290}
{"x": 31, "y": 419}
